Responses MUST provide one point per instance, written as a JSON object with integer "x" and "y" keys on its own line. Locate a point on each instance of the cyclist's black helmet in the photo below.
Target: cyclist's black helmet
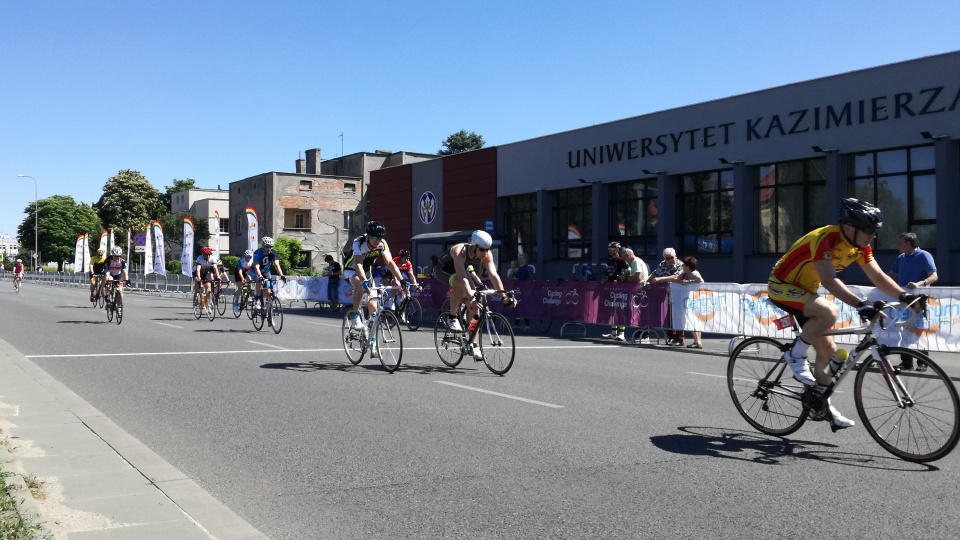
{"x": 375, "y": 228}
{"x": 614, "y": 245}
{"x": 404, "y": 254}
{"x": 860, "y": 214}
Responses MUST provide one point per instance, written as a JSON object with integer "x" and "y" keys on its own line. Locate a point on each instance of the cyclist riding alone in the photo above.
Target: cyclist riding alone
{"x": 17, "y": 272}
{"x": 204, "y": 272}
{"x": 367, "y": 249}
{"x": 406, "y": 271}
{"x": 814, "y": 260}
{"x": 116, "y": 266}
{"x": 97, "y": 262}
{"x": 455, "y": 265}
{"x": 264, "y": 262}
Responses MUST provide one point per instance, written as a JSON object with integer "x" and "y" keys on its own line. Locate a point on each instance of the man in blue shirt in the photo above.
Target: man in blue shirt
{"x": 913, "y": 268}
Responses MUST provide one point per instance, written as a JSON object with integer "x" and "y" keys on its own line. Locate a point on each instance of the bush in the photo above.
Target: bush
{"x": 173, "y": 267}
{"x": 229, "y": 263}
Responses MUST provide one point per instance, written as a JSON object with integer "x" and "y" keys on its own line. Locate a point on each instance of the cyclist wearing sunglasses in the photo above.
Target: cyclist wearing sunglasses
{"x": 456, "y": 268}
{"x": 814, "y": 260}
{"x": 367, "y": 249}
{"x": 245, "y": 268}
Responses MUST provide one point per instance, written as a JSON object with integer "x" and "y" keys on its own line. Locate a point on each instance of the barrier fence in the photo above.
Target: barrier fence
{"x": 715, "y": 308}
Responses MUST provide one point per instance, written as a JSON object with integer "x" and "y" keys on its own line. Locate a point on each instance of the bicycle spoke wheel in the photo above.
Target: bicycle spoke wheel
{"x": 354, "y": 341}
{"x": 109, "y": 307}
{"x": 249, "y": 305}
{"x": 446, "y": 341}
{"x": 210, "y": 308}
{"x": 101, "y": 298}
{"x": 118, "y": 306}
{"x": 927, "y": 426}
{"x": 763, "y": 388}
{"x": 196, "y": 306}
{"x": 238, "y": 303}
{"x": 497, "y": 344}
{"x": 257, "y": 315}
{"x": 221, "y": 303}
{"x": 275, "y": 315}
{"x": 413, "y": 314}
{"x": 389, "y": 343}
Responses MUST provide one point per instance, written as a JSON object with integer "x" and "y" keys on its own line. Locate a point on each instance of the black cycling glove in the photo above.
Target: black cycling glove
{"x": 869, "y": 311}
{"x": 908, "y": 298}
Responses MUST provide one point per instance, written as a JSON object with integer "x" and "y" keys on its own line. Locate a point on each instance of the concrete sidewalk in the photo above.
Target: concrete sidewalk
{"x": 99, "y": 482}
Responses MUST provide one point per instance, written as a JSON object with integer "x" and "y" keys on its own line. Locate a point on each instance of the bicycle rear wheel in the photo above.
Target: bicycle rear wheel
{"x": 275, "y": 314}
{"x": 238, "y": 303}
{"x": 497, "y": 343}
{"x": 221, "y": 302}
{"x": 197, "y": 313}
{"x": 413, "y": 314}
{"x": 354, "y": 341}
{"x": 763, "y": 388}
{"x": 389, "y": 344}
{"x": 927, "y": 426}
{"x": 446, "y": 341}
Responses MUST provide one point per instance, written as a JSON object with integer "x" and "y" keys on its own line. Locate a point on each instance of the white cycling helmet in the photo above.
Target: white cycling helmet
{"x": 248, "y": 253}
{"x": 481, "y": 239}
{"x": 19, "y": 260}
{"x": 267, "y": 241}
{"x": 117, "y": 250}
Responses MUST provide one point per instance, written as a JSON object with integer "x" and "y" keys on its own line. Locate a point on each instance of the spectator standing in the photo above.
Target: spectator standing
{"x": 636, "y": 268}
{"x": 334, "y": 272}
{"x": 512, "y": 271}
{"x": 525, "y": 270}
{"x": 692, "y": 275}
{"x": 913, "y": 268}
{"x": 616, "y": 267}
{"x": 670, "y": 269}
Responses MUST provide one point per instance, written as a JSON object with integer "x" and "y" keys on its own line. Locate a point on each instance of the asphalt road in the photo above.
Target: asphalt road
{"x": 578, "y": 440}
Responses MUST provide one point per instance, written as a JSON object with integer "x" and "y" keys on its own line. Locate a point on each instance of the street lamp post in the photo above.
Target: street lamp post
{"x": 36, "y": 230}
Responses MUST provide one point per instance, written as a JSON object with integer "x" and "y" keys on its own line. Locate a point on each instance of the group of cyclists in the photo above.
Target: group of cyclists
{"x": 108, "y": 268}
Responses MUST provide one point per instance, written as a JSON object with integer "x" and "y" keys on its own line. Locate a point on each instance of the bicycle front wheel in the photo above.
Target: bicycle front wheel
{"x": 238, "y": 303}
{"x": 497, "y": 343}
{"x": 210, "y": 308}
{"x": 924, "y": 425}
{"x": 389, "y": 344}
{"x": 221, "y": 303}
{"x": 413, "y": 314}
{"x": 197, "y": 313}
{"x": 447, "y": 341}
{"x": 763, "y": 388}
{"x": 354, "y": 341}
{"x": 257, "y": 314}
{"x": 109, "y": 306}
{"x": 275, "y": 315}
{"x": 118, "y": 306}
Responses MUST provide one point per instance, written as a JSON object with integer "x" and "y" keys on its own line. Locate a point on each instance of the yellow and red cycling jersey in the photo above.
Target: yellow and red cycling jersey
{"x": 823, "y": 244}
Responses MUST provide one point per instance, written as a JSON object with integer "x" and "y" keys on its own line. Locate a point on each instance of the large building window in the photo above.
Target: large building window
{"x": 573, "y": 223}
{"x": 790, "y": 201}
{"x": 296, "y": 219}
{"x": 902, "y": 183}
{"x": 225, "y": 225}
{"x": 633, "y": 216}
{"x": 520, "y": 232}
{"x": 705, "y": 205}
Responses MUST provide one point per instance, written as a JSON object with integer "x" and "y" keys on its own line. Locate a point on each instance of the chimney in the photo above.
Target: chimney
{"x": 313, "y": 161}
{"x": 301, "y": 165}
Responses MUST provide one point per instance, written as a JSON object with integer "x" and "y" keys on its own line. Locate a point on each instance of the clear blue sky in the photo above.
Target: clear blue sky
{"x": 219, "y": 91}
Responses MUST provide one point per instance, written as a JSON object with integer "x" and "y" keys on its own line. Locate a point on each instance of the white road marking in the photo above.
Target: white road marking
{"x": 324, "y": 324}
{"x": 498, "y": 394}
{"x": 268, "y": 345}
{"x": 167, "y": 324}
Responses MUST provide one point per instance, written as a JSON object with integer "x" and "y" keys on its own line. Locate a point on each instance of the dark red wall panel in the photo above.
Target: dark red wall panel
{"x": 469, "y": 189}
{"x": 390, "y": 193}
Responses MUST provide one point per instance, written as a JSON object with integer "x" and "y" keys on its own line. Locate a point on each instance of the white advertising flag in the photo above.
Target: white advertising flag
{"x": 252, "y": 231}
{"x": 159, "y": 258}
{"x": 148, "y": 252}
{"x": 215, "y": 231}
{"x": 186, "y": 258}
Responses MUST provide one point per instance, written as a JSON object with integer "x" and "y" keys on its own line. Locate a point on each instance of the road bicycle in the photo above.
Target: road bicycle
{"x": 203, "y": 303}
{"x": 491, "y": 331}
{"x": 380, "y": 333}
{"x": 269, "y": 311}
{"x": 243, "y": 300}
{"x": 219, "y": 297}
{"x": 98, "y": 292}
{"x": 913, "y": 415}
{"x": 408, "y": 309}
{"x": 16, "y": 284}
{"x": 114, "y": 301}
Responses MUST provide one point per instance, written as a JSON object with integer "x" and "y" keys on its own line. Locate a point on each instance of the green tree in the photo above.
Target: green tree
{"x": 173, "y": 232}
{"x": 129, "y": 201}
{"x": 461, "y": 141}
{"x": 59, "y": 222}
{"x": 166, "y": 198}
{"x": 289, "y": 253}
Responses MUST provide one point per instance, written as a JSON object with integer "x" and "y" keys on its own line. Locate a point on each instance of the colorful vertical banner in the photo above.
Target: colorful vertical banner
{"x": 252, "y": 231}
{"x": 186, "y": 257}
{"x": 81, "y": 254}
{"x": 215, "y": 232}
{"x": 111, "y": 241}
{"x": 159, "y": 257}
{"x": 103, "y": 242}
{"x": 148, "y": 252}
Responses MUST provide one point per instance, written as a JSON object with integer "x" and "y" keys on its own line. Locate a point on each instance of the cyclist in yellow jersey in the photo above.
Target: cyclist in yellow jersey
{"x": 814, "y": 260}
{"x": 97, "y": 263}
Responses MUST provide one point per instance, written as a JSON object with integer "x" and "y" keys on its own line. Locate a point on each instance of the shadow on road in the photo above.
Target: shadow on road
{"x": 314, "y": 366}
{"x": 83, "y": 322}
{"x": 770, "y": 450}
{"x": 226, "y": 331}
